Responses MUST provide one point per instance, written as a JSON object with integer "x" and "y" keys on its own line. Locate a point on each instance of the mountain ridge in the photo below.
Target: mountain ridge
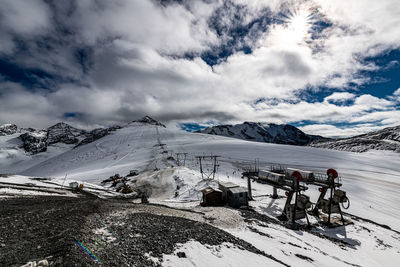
{"x": 263, "y": 132}
{"x": 384, "y": 139}
{"x": 36, "y": 141}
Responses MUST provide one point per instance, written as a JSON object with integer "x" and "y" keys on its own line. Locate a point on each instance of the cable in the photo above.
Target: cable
{"x": 348, "y": 202}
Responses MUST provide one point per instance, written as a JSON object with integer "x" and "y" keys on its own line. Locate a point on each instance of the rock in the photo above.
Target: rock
{"x": 149, "y": 120}
{"x": 43, "y": 263}
{"x": 181, "y": 254}
{"x": 7, "y": 129}
{"x": 34, "y": 142}
{"x": 64, "y": 133}
{"x": 97, "y": 134}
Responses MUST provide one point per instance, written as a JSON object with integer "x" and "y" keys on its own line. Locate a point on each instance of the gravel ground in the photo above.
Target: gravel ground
{"x": 33, "y": 229}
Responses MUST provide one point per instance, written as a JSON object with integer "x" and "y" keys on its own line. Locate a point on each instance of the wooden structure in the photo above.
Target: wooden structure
{"x": 211, "y": 197}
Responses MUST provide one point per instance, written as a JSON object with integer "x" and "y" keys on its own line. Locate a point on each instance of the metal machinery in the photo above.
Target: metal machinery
{"x": 289, "y": 180}
{"x": 273, "y": 176}
{"x": 337, "y": 196}
{"x": 291, "y": 184}
{"x": 298, "y": 210}
{"x": 328, "y": 182}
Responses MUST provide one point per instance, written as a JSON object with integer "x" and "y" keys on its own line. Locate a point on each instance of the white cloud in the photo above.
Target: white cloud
{"x": 340, "y": 97}
{"x": 135, "y": 65}
{"x": 337, "y": 132}
{"x": 170, "y": 29}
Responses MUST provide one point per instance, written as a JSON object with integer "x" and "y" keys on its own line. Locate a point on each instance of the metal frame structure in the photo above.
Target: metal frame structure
{"x": 293, "y": 188}
{"x": 289, "y": 180}
{"x": 214, "y": 164}
{"x": 333, "y": 202}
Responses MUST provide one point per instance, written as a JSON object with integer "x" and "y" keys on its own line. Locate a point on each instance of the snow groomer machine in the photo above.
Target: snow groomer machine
{"x": 294, "y": 182}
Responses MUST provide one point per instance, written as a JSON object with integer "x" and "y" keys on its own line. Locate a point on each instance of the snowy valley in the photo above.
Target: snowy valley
{"x": 167, "y": 167}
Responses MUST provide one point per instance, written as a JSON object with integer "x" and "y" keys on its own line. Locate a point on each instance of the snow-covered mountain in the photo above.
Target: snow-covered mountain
{"x": 150, "y": 120}
{"x": 147, "y": 148}
{"x": 385, "y": 139}
{"x": 29, "y": 146}
{"x": 370, "y": 180}
{"x": 268, "y": 133}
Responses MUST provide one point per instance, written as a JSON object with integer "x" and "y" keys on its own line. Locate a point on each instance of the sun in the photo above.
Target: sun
{"x": 299, "y": 22}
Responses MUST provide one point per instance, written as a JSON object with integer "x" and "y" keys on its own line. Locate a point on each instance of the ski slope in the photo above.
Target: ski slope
{"x": 371, "y": 179}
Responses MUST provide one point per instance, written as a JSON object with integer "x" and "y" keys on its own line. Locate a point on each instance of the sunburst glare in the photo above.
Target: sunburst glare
{"x": 298, "y": 23}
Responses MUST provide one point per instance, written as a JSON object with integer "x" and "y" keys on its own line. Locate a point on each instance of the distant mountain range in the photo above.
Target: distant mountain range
{"x": 268, "y": 133}
{"x": 62, "y": 137}
{"x": 385, "y": 139}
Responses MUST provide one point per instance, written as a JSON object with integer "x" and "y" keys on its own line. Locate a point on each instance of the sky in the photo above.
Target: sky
{"x": 328, "y": 67}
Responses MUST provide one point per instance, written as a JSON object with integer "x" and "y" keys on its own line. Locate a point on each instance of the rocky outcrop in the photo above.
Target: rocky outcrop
{"x": 7, "y": 129}
{"x": 149, "y": 120}
{"x": 97, "y": 134}
{"x": 34, "y": 142}
{"x": 64, "y": 133}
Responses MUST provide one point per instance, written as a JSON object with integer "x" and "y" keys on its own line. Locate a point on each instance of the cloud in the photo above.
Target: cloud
{"x": 339, "y": 132}
{"x": 27, "y": 18}
{"x": 113, "y": 61}
{"x": 170, "y": 29}
{"x": 340, "y": 97}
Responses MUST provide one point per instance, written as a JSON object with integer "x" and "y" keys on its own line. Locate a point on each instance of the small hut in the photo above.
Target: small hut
{"x": 211, "y": 197}
{"x": 237, "y": 197}
{"x": 224, "y": 187}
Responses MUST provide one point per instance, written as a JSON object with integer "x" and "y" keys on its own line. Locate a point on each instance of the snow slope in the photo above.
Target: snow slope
{"x": 13, "y": 157}
{"x": 131, "y": 147}
{"x": 371, "y": 180}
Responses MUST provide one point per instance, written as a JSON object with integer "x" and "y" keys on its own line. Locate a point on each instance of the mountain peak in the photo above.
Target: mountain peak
{"x": 64, "y": 133}
{"x": 150, "y": 120}
{"x": 60, "y": 125}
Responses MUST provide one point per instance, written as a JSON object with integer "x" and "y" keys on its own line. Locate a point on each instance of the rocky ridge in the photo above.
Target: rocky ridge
{"x": 385, "y": 139}
{"x": 7, "y": 129}
{"x": 35, "y": 141}
{"x": 268, "y": 133}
